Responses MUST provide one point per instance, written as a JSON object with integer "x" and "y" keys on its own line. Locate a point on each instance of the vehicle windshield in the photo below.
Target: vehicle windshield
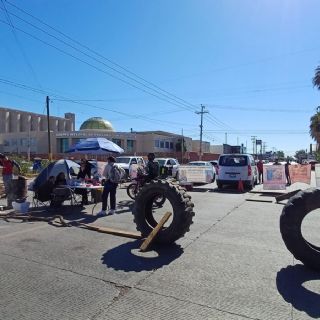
{"x": 198, "y": 164}
{"x": 233, "y": 161}
{"x": 123, "y": 160}
{"x": 161, "y": 161}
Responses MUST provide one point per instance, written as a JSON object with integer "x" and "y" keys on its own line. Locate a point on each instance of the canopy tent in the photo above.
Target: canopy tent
{"x": 96, "y": 146}
{"x": 70, "y": 168}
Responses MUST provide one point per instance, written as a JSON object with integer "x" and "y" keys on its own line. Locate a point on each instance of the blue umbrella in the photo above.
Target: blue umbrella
{"x": 95, "y": 146}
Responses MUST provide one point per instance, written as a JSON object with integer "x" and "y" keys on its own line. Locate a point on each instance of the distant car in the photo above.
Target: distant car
{"x": 126, "y": 161}
{"x": 214, "y": 163}
{"x": 236, "y": 167}
{"x": 205, "y": 164}
{"x": 169, "y": 163}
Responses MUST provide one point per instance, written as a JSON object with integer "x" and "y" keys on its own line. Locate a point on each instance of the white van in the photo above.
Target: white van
{"x": 233, "y": 167}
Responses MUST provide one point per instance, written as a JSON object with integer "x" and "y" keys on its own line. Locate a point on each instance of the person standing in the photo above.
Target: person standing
{"x": 112, "y": 178}
{"x": 286, "y": 170}
{"x": 260, "y": 171}
{"x": 7, "y": 175}
{"x": 152, "y": 168}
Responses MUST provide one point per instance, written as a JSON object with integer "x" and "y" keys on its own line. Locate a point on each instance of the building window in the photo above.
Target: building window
{"x": 167, "y": 144}
{"x": 130, "y": 145}
{"x": 162, "y": 144}
{"x": 63, "y": 145}
{"x": 117, "y": 141}
{"x": 157, "y": 143}
{"x": 171, "y": 145}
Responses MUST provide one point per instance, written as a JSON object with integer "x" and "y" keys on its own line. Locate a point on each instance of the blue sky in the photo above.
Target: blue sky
{"x": 249, "y": 62}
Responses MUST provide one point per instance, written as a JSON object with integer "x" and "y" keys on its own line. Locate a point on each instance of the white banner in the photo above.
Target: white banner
{"x": 195, "y": 174}
{"x": 274, "y": 177}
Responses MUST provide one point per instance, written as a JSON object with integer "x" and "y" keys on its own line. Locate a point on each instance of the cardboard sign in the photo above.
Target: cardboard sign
{"x": 274, "y": 177}
{"x": 300, "y": 173}
{"x": 195, "y": 174}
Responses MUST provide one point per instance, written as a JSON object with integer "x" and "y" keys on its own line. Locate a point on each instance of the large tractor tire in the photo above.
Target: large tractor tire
{"x": 181, "y": 216}
{"x": 291, "y": 218}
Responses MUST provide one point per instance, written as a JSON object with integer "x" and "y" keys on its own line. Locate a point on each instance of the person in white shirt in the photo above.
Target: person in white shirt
{"x": 110, "y": 186}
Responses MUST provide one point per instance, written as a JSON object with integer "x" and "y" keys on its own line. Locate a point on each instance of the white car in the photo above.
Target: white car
{"x": 206, "y": 164}
{"x": 126, "y": 161}
{"x": 170, "y": 164}
{"x": 235, "y": 167}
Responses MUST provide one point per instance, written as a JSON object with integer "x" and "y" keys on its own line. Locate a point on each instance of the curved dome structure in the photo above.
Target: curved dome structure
{"x": 97, "y": 123}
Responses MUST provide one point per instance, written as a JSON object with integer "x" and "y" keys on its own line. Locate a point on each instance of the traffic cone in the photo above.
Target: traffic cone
{"x": 240, "y": 186}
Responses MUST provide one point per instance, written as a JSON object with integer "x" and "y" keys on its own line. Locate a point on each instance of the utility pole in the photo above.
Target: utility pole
{"x": 182, "y": 146}
{"x": 253, "y": 139}
{"x": 48, "y": 119}
{"x": 226, "y": 138}
{"x": 29, "y": 128}
{"x": 201, "y": 127}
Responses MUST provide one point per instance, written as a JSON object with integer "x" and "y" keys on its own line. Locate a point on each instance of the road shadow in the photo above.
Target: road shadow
{"x": 290, "y": 285}
{"x": 127, "y": 257}
{"x": 124, "y": 206}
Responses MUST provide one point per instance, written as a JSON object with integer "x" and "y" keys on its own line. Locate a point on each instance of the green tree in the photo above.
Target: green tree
{"x": 301, "y": 154}
{"x": 280, "y": 154}
{"x": 316, "y": 78}
{"x": 315, "y": 119}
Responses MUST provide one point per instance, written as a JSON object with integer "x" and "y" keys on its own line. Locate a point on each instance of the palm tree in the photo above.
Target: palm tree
{"x": 316, "y": 78}
{"x": 315, "y": 127}
{"x": 315, "y": 119}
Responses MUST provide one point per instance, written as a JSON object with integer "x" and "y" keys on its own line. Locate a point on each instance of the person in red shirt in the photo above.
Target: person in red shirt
{"x": 260, "y": 171}
{"x": 7, "y": 173}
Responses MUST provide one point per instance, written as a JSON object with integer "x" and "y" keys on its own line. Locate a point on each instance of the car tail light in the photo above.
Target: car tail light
{"x": 249, "y": 170}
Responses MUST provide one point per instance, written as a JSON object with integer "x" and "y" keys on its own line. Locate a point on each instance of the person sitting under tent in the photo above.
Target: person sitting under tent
{"x": 44, "y": 192}
{"x": 61, "y": 191}
{"x": 84, "y": 173}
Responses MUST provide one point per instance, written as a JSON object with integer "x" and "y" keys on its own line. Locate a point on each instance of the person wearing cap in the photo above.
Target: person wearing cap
{"x": 7, "y": 174}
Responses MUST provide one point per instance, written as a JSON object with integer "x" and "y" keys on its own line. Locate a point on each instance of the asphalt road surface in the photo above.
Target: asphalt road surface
{"x": 232, "y": 265}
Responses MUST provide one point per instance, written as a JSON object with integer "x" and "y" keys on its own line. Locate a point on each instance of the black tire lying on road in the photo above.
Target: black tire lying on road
{"x": 291, "y": 219}
{"x": 181, "y": 216}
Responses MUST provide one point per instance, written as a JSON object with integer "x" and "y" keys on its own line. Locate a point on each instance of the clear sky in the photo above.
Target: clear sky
{"x": 250, "y": 63}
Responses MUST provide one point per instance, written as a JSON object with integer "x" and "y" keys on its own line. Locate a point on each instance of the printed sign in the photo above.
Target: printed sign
{"x": 300, "y": 173}
{"x": 317, "y": 173}
{"x": 195, "y": 174}
{"x": 274, "y": 177}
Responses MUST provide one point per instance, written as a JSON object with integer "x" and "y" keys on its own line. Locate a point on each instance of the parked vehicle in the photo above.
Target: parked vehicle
{"x": 170, "y": 166}
{"x": 126, "y": 161}
{"x": 235, "y": 167}
{"x": 214, "y": 163}
{"x": 206, "y": 164}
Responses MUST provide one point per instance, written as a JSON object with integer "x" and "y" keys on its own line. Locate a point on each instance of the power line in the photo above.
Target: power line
{"x": 280, "y": 110}
{"x": 167, "y": 94}
{"x": 182, "y": 103}
{"x": 19, "y": 43}
{"x": 42, "y": 92}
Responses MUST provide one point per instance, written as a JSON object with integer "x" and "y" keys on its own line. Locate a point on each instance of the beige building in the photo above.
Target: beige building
{"x": 205, "y": 146}
{"x": 23, "y": 132}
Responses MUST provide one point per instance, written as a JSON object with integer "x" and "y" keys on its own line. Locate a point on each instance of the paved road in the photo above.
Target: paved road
{"x": 231, "y": 265}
